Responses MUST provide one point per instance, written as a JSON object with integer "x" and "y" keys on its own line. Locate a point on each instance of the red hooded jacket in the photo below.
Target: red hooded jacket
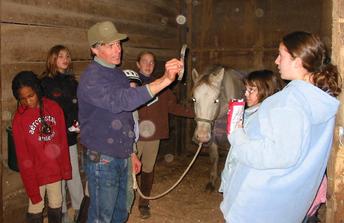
{"x": 42, "y": 158}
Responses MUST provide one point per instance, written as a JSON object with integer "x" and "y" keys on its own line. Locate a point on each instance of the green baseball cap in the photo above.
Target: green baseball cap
{"x": 104, "y": 32}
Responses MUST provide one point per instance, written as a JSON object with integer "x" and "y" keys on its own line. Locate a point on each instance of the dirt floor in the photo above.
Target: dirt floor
{"x": 188, "y": 202}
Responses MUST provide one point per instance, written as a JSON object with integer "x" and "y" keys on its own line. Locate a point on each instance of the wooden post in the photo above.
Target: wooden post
{"x": 2, "y": 138}
{"x": 189, "y": 123}
{"x": 335, "y": 204}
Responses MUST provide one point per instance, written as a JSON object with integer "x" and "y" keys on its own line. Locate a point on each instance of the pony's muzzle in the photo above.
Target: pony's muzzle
{"x": 202, "y": 135}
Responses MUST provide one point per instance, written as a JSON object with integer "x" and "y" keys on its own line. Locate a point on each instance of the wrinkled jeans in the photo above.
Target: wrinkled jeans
{"x": 107, "y": 184}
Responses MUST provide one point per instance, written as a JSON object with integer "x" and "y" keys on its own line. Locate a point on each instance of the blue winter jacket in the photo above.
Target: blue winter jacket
{"x": 106, "y": 102}
{"x": 280, "y": 158}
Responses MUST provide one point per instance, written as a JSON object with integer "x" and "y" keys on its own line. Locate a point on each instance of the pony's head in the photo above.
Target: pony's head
{"x": 206, "y": 98}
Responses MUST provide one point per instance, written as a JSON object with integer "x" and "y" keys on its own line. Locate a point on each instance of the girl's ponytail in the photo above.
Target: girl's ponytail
{"x": 328, "y": 79}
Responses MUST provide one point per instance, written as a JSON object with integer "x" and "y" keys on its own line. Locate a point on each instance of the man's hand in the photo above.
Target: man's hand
{"x": 172, "y": 68}
{"x": 136, "y": 163}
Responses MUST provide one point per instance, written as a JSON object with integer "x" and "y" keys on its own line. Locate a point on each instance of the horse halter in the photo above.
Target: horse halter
{"x": 211, "y": 122}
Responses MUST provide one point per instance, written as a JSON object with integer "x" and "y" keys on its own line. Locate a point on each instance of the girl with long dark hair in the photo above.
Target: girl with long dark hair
{"x": 39, "y": 134}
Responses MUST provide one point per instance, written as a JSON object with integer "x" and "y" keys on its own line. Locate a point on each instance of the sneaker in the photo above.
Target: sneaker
{"x": 144, "y": 212}
{"x": 75, "y": 127}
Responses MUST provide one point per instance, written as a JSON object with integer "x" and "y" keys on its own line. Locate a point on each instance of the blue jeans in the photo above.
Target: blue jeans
{"x": 107, "y": 183}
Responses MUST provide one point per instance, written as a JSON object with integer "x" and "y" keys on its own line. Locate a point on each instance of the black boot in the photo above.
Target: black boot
{"x": 34, "y": 218}
{"x": 146, "y": 188}
{"x": 83, "y": 212}
{"x": 311, "y": 219}
{"x": 55, "y": 215}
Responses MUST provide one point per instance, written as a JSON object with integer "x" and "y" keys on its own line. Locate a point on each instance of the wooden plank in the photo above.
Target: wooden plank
{"x": 142, "y": 28}
{"x": 162, "y": 54}
{"x": 235, "y": 49}
{"x": 190, "y": 124}
{"x": 240, "y": 61}
{"x": 31, "y": 43}
{"x": 84, "y": 13}
{"x": 1, "y": 137}
{"x": 171, "y": 6}
{"x": 37, "y": 40}
{"x": 103, "y": 7}
{"x": 165, "y": 7}
{"x": 154, "y": 41}
{"x": 146, "y": 29}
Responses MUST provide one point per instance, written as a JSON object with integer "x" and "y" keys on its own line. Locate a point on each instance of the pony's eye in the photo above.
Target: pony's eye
{"x": 216, "y": 101}
{"x": 193, "y": 99}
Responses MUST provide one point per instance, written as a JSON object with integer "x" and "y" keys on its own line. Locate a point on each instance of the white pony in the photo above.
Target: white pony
{"x": 211, "y": 93}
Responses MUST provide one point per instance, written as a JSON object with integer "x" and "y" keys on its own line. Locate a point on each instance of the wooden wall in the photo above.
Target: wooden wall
{"x": 29, "y": 28}
{"x": 245, "y": 34}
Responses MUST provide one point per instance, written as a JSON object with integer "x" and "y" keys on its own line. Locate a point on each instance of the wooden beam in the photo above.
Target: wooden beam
{"x": 335, "y": 204}
{"x": 2, "y": 134}
{"x": 235, "y": 49}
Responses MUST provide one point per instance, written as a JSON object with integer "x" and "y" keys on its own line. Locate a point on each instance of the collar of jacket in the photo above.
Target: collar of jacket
{"x": 103, "y": 63}
{"x": 145, "y": 79}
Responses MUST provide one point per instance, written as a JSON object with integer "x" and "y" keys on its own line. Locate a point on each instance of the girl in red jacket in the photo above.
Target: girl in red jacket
{"x": 39, "y": 134}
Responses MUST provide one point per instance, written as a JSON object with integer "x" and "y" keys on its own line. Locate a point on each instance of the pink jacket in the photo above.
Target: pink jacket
{"x": 319, "y": 198}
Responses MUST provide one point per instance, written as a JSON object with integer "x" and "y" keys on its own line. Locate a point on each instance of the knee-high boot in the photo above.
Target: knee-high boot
{"x": 55, "y": 215}
{"x": 146, "y": 188}
{"x": 34, "y": 218}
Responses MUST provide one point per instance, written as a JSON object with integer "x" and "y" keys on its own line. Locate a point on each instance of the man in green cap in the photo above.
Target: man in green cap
{"x": 106, "y": 102}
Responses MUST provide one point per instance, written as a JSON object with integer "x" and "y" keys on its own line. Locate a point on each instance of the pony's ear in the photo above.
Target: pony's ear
{"x": 221, "y": 72}
{"x": 194, "y": 75}
{"x": 217, "y": 77}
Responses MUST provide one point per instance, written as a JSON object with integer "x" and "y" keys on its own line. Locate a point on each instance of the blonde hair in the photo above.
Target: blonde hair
{"x": 51, "y": 69}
